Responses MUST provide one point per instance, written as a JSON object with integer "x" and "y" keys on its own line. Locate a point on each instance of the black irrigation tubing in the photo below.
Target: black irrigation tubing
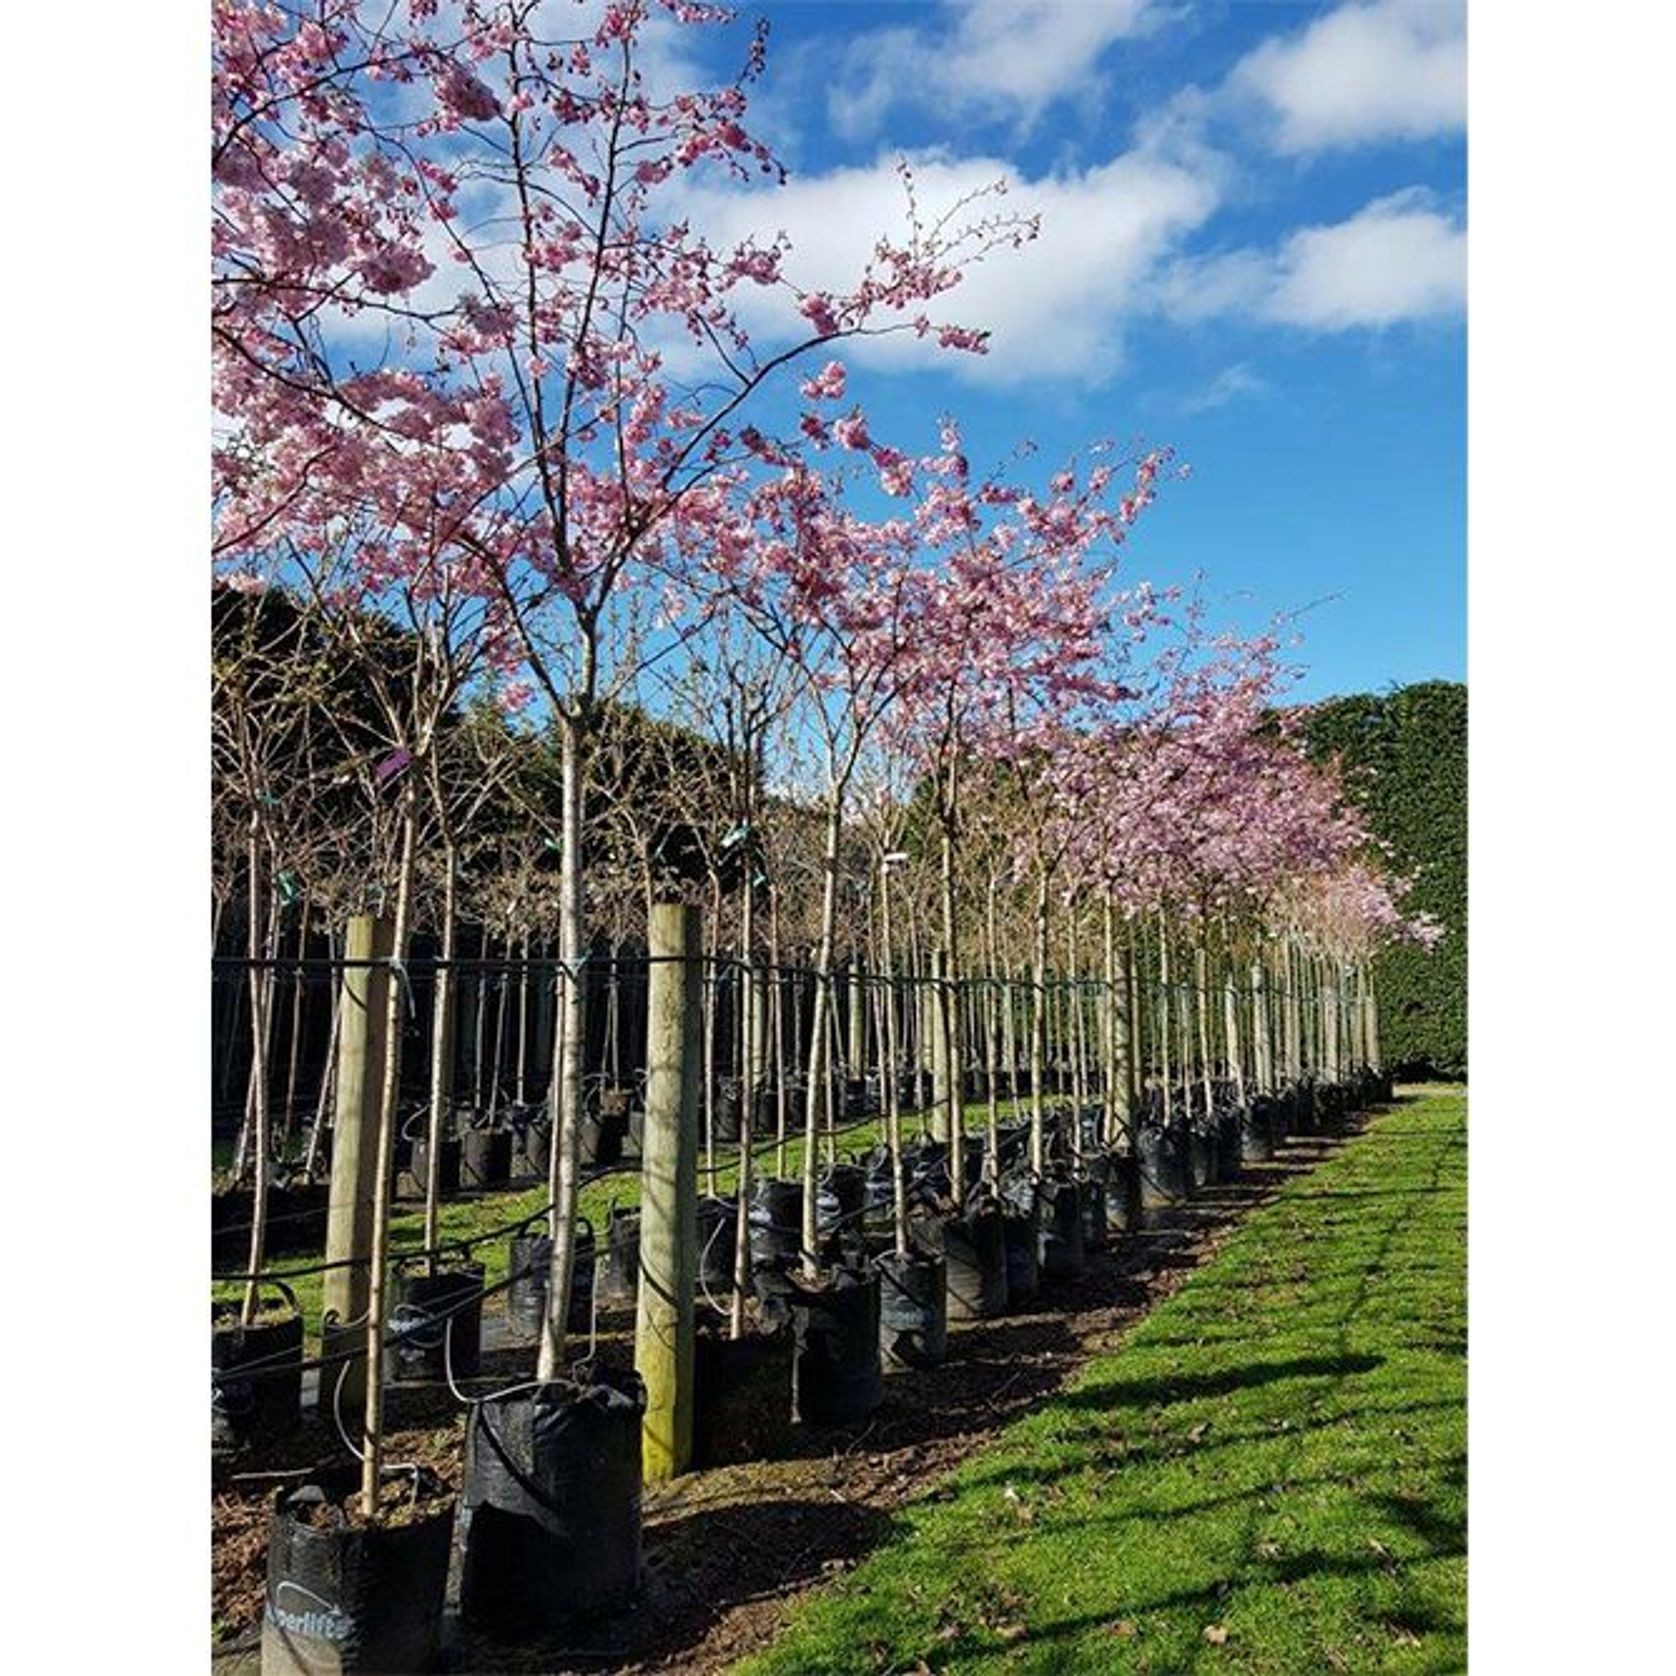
{"x": 627, "y": 966}
{"x": 413, "y": 1253}
{"x": 278, "y": 1363}
{"x": 406, "y": 1254}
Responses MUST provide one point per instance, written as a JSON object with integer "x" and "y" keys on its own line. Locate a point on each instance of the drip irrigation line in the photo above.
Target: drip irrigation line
{"x": 415, "y": 1253}
{"x": 604, "y": 1173}
{"x": 627, "y": 968}
{"x": 278, "y": 1363}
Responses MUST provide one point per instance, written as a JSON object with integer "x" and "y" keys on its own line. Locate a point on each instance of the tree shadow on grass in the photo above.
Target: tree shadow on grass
{"x": 1148, "y": 1393}
{"x": 1210, "y": 1601}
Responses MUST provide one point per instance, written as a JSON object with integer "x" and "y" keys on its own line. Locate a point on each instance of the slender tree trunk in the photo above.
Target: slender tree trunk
{"x": 1231, "y": 1031}
{"x": 1165, "y": 1078}
{"x": 259, "y": 998}
{"x": 442, "y": 1055}
{"x": 1140, "y": 1045}
{"x": 1038, "y": 1035}
{"x": 563, "y": 1172}
{"x": 1074, "y": 998}
{"x": 992, "y": 1000}
{"x": 1201, "y": 988}
{"x": 295, "y": 1044}
{"x": 1262, "y": 1038}
{"x": 479, "y": 1020}
{"x": 519, "y": 1089}
{"x": 747, "y": 1114}
{"x": 256, "y": 1085}
{"x": 372, "y": 1459}
{"x": 819, "y": 1032}
{"x": 893, "y": 1089}
{"x": 949, "y": 1016}
{"x": 328, "y": 1077}
{"x": 778, "y": 1001}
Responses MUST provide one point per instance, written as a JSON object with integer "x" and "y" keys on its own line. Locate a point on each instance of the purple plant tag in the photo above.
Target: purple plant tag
{"x": 391, "y": 766}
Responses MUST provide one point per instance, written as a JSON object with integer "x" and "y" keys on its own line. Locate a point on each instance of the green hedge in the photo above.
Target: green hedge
{"x": 1405, "y": 763}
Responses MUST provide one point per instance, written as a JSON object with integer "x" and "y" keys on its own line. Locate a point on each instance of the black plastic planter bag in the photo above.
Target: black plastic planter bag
{"x": 975, "y": 1254}
{"x": 913, "y": 1309}
{"x": 1091, "y": 1197}
{"x": 600, "y": 1143}
{"x": 879, "y": 1206}
{"x": 550, "y": 1516}
{"x": 448, "y": 1165}
{"x": 1059, "y": 1220}
{"x": 296, "y": 1221}
{"x": 340, "y": 1347}
{"x": 726, "y": 1111}
{"x": 836, "y": 1376}
{"x": 1161, "y": 1166}
{"x": 256, "y": 1376}
{"x": 617, "y": 1277}
{"x": 486, "y": 1157}
{"x": 1123, "y": 1193}
{"x": 1257, "y": 1131}
{"x": 342, "y": 1601}
{"x": 437, "y": 1320}
{"x": 1015, "y": 1144}
{"x": 533, "y": 1151}
{"x": 741, "y": 1396}
{"x": 717, "y": 1223}
{"x": 860, "y": 1099}
{"x": 929, "y": 1163}
{"x": 1201, "y": 1154}
{"x": 776, "y": 1218}
{"x": 1020, "y": 1233}
{"x": 529, "y": 1263}
{"x": 847, "y": 1183}
{"x": 1301, "y": 1109}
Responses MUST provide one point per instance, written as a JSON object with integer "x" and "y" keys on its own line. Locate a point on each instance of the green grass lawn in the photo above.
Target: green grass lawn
{"x": 1269, "y": 1476}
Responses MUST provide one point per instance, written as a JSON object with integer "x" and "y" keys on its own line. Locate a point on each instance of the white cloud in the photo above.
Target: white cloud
{"x": 1010, "y": 59}
{"x": 1055, "y": 308}
{"x": 1231, "y": 382}
{"x": 1398, "y": 258}
{"x": 1390, "y": 70}
{"x": 1395, "y": 260}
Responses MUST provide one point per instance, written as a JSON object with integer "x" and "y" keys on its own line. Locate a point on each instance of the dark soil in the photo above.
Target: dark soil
{"x": 729, "y": 1548}
{"x": 402, "y": 1501}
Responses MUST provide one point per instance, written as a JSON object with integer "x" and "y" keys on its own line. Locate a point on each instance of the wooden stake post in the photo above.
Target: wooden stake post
{"x": 360, "y": 1077}
{"x": 663, "y": 1337}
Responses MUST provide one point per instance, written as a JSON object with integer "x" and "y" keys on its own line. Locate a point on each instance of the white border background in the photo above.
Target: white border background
{"x": 1573, "y": 644}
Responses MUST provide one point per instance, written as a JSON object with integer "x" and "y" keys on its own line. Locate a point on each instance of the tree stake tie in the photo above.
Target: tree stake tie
{"x": 398, "y": 967}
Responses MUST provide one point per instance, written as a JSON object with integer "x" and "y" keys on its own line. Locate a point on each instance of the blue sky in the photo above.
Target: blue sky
{"x": 1253, "y": 249}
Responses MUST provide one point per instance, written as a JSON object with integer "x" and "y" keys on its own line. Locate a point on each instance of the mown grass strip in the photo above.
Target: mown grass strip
{"x": 1269, "y": 1476}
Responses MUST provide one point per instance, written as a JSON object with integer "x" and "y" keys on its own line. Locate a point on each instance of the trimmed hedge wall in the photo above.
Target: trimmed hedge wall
{"x": 1405, "y": 765}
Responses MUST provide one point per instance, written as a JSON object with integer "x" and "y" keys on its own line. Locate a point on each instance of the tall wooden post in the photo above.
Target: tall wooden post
{"x": 360, "y": 1084}
{"x": 663, "y": 1337}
